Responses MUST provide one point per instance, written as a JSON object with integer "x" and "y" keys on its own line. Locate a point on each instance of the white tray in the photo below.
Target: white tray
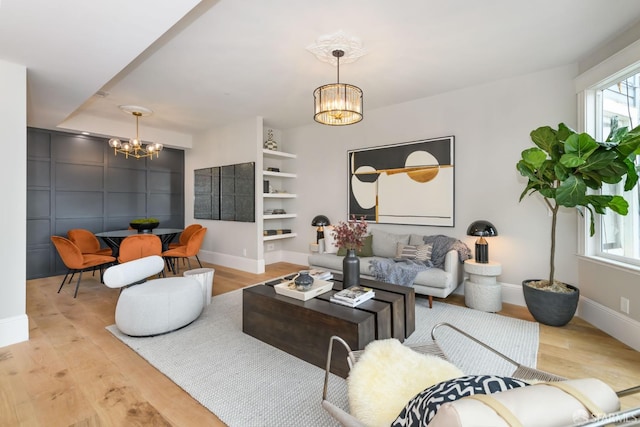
{"x": 319, "y": 287}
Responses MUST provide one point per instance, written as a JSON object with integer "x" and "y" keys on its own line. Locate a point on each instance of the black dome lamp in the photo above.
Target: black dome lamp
{"x": 482, "y": 229}
{"x": 320, "y": 221}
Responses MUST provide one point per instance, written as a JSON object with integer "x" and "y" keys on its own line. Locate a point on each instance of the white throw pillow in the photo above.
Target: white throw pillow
{"x": 387, "y": 376}
{"x": 329, "y": 240}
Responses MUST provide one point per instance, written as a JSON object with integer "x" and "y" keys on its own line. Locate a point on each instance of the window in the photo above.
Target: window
{"x": 617, "y": 237}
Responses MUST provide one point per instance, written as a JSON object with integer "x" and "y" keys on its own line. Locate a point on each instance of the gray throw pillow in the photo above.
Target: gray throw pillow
{"x": 385, "y": 244}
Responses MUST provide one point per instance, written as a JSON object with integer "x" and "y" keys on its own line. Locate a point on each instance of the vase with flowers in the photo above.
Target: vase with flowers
{"x": 350, "y": 235}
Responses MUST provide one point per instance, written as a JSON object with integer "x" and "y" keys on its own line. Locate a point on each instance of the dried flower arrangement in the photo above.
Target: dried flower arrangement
{"x": 350, "y": 234}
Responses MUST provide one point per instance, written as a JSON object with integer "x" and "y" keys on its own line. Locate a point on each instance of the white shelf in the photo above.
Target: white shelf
{"x": 279, "y": 236}
{"x": 279, "y": 196}
{"x": 277, "y": 154}
{"x": 279, "y": 174}
{"x": 279, "y": 216}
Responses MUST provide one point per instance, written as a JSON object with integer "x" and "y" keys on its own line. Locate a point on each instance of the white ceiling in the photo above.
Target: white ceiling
{"x": 200, "y": 64}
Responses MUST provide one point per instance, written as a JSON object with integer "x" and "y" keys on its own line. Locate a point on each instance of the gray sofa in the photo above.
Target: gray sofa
{"x": 438, "y": 281}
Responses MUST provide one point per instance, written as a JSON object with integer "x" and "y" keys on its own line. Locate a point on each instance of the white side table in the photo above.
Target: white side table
{"x": 481, "y": 291}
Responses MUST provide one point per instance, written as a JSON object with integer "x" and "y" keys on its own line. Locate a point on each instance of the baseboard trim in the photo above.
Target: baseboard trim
{"x": 240, "y": 263}
{"x": 14, "y": 329}
{"x": 619, "y": 326}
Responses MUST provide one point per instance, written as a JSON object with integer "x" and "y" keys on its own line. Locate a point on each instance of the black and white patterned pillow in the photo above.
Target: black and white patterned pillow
{"x": 423, "y": 407}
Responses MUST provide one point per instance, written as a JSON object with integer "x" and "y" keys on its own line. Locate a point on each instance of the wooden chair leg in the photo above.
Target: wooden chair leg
{"x": 430, "y": 301}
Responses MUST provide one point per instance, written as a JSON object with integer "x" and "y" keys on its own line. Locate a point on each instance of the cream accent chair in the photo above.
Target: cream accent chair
{"x": 152, "y": 307}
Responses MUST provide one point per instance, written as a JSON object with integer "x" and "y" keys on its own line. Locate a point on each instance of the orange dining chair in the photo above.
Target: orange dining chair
{"x": 77, "y": 262}
{"x": 87, "y": 242}
{"x": 190, "y": 249}
{"x": 139, "y": 246}
{"x": 184, "y": 236}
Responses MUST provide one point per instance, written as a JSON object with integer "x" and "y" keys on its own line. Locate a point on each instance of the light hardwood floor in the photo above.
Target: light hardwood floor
{"x": 73, "y": 372}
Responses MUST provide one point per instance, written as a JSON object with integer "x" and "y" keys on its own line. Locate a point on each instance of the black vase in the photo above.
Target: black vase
{"x": 350, "y": 269}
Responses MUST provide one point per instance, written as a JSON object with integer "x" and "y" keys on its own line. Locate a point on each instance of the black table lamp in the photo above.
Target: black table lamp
{"x": 320, "y": 221}
{"x": 482, "y": 229}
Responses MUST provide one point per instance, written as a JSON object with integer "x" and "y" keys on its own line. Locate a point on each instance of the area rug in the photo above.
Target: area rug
{"x": 246, "y": 382}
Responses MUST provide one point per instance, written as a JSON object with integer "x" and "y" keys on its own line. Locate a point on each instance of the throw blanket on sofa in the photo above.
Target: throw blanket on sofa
{"x": 443, "y": 244}
{"x": 399, "y": 273}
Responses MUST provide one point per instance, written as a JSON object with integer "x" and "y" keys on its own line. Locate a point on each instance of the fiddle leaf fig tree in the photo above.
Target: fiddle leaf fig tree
{"x": 568, "y": 168}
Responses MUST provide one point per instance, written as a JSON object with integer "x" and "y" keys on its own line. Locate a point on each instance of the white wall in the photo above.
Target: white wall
{"x": 14, "y": 324}
{"x": 230, "y": 243}
{"x": 491, "y": 125}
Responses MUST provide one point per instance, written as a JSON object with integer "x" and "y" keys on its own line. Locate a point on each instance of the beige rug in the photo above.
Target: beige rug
{"x": 246, "y": 382}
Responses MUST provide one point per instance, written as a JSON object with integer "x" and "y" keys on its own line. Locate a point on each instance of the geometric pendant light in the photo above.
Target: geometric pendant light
{"x": 134, "y": 147}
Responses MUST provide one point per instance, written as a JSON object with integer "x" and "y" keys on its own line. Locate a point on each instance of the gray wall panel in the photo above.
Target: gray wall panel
{"x": 94, "y": 190}
{"x": 126, "y": 180}
{"x": 38, "y": 203}
{"x": 38, "y": 231}
{"x": 38, "y": 173}
{"x": 76, "y": 148}
{"x": 132, "y": 204}
{"x": 75, "y": 177}
{"x": 78, "y": 204}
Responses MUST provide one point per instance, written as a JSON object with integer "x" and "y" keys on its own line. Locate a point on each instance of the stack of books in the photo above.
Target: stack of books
{"x": 321, "y": 274}
{"x": 353, "y": 296}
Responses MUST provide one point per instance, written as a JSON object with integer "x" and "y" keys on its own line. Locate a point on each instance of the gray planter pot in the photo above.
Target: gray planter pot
{"x": 550, "y": 308}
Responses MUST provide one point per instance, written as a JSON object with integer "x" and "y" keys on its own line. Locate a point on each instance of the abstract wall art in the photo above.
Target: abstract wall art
{"x": 406, "y": 183}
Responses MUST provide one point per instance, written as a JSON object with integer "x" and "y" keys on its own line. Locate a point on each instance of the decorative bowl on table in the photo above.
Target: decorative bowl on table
{"x": 144, "y": 225}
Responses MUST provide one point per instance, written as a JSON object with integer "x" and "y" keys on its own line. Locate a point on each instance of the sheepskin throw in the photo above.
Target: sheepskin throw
{"x": 387, "y": 376}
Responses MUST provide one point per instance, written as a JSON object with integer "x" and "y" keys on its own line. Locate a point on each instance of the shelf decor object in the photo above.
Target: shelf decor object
{"x": 482, "y": 229}
{"x": 134, "y": 146}
{"x": 270, "y": 144}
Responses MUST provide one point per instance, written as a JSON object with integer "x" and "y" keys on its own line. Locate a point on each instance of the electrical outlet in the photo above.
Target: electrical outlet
{"x": 244, "y": 252}
{"x": 270, "y": 246}
{"x": 624, "y": 305}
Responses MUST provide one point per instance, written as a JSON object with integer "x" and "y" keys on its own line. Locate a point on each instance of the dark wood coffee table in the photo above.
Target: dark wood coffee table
{"x": 303, "y": 328}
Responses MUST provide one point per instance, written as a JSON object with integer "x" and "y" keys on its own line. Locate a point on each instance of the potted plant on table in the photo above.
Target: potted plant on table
{"x": 565, "y": 167}
{"x": 144, "y": 225}
{"x": 350, "y": 235}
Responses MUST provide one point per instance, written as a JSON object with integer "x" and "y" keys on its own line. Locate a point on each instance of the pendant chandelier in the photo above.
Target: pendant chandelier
{"x": 134, "y": 146}
{"x": 337, "y": 104}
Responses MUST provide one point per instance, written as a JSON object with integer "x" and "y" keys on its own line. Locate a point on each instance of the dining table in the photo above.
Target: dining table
{"x": 114, "y": 238}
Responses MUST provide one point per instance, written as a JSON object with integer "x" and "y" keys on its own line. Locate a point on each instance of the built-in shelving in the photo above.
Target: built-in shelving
{"x": 279, "y": 216}
{"x": 274, "y": 154}
{"x": 279, "y": 174}
{"x": 279, "y": 196}
{"x": 281, "y": 181}
{"x": 279, "y": 236}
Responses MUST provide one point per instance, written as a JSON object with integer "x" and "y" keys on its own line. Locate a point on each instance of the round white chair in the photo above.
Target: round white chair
{"x": 156, "y": 306}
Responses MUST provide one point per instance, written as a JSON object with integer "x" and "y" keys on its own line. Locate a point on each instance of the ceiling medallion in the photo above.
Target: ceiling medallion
{"x": 325, "y": 45}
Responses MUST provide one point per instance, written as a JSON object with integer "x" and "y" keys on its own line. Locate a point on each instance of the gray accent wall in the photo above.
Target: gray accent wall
{"x": 76, "y": 181}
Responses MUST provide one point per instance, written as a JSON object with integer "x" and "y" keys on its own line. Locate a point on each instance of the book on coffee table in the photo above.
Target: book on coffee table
{"x": 353, "y": 296}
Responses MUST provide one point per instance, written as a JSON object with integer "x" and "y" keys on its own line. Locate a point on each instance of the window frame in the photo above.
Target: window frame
{"x": 588, "y": 86}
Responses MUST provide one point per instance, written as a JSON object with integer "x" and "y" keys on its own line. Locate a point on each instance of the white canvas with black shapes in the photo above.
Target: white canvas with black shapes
{"x": 407, "y": 183}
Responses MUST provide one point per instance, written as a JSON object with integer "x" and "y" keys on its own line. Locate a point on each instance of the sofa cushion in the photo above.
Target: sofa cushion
{"x": 365, "y": 251}
{"x": 385, "y": 244}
